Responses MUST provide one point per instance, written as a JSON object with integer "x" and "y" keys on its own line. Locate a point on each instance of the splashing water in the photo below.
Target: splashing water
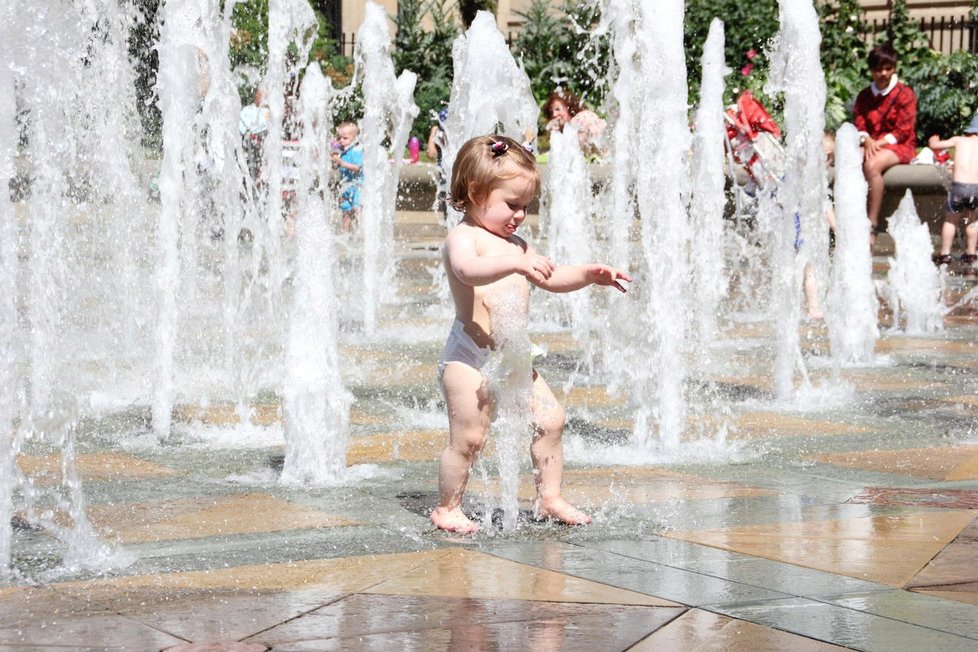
{"x": 567, "y": 218}
{"x": 708, "y": 200}
{"x": 316, "y": 405}
{"x": 509, "y": 374}
{"x": 389, "y": 110}
{"x": 490, "y": 93}
{"x": 648, "y": 46}
{"x": 852, "y": 304}
{"x": 916, "y": 284}
{"x": 796, "y": 71}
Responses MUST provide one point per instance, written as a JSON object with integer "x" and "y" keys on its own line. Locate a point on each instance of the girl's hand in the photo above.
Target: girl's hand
{"x": 537, "y": 268}
{"x": 605, "y": 275}
{"x": 871, "y": 147}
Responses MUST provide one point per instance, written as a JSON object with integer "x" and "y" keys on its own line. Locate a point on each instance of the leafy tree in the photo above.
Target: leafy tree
{"x": 947, "y": 93}
{"x": 249, "y": 46}
{"x": 906, "y": 37}
{"x": 427, "y": 53}
{"x": 748, "y": 28}
{"x": 843, "y": 56}
{"x": 558, "y": 49}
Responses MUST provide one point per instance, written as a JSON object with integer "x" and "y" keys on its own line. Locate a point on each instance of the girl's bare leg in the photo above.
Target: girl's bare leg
{"x": 547, "y": 452}
{"x": 469, "y": 409}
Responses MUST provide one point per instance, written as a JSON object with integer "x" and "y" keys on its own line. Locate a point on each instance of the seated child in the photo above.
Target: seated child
{"x": 493, "y": 181}
{"x": 347, "y": 155}
{"x": 962, "y": 198}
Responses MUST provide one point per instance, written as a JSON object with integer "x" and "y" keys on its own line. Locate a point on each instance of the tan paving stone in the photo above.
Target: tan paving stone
{"x": 877, "y": 380}
{"x": 452, "y": 623}
{"x": 234, "y": 603}
{"x": 226, "y": 414}
{"x": 206, "y": 517}
{"x": 635, "y": 485}
{"x": 967, "y": 593}
{"x": 588, "y": 396}
{"x": 360, "y": 417}
{"x": 411, "y": 445}
{"x": 42, "y": 618}
{"x": 886, "y": 549}
{"x": 954, "y": 567}
{"x": 703, "y": 631}
{"x": 947, "y": 463}
{"x": 753, "y": 425}
{"x": 46, "y": 469}
{"x": 927, "y": 345}
{"x": 471, "y": 574}
{"x": 555, "y": 342}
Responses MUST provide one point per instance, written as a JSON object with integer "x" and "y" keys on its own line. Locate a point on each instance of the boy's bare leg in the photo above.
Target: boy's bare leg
{"x": 948, "y": 230}
{"x": 547, "y": 452}
{"x": 971, "y": 235}
{"x": 873, "y": 170}
{"x": 469, "y": 409}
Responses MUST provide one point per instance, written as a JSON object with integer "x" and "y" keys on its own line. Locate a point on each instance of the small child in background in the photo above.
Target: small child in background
{"x": 493, "y": 180}
{"x": 962, "y": 198}
{"x": 347, "y": 156}
{"x": 437, "y": 144}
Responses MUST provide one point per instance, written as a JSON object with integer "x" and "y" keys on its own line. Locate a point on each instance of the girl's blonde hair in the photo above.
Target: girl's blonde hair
{"x": 483, "y": 163}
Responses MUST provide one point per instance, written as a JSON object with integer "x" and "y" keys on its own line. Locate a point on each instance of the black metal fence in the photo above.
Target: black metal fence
{"x": 947, "y": 34}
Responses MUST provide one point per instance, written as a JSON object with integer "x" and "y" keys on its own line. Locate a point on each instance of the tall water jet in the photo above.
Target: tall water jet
{"x": 626, "y": 95}
{"x": 708, "y": 199}
{"x": 802, "y": 237}
{"x": 509, "y": 374}
{"x": 9, "y": 265}
{"x": 179, "y": 91}
{"x": 316, "y": 406}
{"x": 915, "y": 283}
{"x": 490, "y": 93}
{"x": 651, "y": 35}
{"x": 389, "y": 111}
{"x": 566, "y": 216}
{"x": 852, "y": 305}
{"x": 67, "y": 195}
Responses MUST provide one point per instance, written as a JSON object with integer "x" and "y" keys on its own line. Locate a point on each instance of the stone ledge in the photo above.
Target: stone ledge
{"x": 928, "y": 183}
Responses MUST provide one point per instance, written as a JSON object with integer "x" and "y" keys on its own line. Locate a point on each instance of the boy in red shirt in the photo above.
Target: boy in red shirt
{"x": 885, "y": 114}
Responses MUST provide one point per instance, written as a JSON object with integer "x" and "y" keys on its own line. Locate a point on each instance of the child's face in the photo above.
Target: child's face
{"x": 558, "y": 111}
{"x": 505, "y": 207}
{"x": 345, "y": 136}
{"x": 882, "y": 75}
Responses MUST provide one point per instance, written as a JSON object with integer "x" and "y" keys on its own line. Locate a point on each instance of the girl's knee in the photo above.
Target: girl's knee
{"x": 550, "y": 421}
{"x": 469, "y": 443}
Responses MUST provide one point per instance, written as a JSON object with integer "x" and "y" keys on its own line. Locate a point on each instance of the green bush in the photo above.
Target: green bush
{"x": 557, "y": 49}
{"x": 843, "y": 57}
{"x": 428, "y": 54}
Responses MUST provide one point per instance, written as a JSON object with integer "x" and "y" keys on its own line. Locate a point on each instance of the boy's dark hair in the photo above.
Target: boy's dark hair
{"x": 882, "y": 55}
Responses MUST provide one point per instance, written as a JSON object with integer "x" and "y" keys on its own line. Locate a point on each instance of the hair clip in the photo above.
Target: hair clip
{"x": 498, "y": 149}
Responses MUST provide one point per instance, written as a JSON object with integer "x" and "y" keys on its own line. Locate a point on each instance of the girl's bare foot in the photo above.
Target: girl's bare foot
{"x": 560, "y": 510}
{"x": 453, "y": 520}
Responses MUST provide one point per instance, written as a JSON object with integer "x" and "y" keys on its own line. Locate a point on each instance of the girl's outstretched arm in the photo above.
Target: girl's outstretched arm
{"x": 567, "y": 278}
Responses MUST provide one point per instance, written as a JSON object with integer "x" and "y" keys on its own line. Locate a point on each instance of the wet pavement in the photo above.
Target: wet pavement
{"x": 834, "y": 523}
